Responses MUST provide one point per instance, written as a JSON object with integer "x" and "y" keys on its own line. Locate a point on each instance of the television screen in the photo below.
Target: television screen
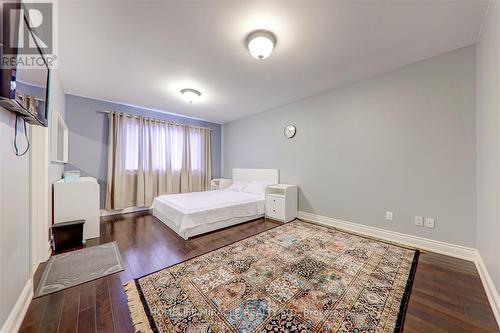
{"x": 24, "y": 88}
{"x": 31, "y": 91}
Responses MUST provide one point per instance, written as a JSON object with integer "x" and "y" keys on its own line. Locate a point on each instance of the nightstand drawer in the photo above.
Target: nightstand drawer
{"x": 274, "y": 211}
{"x": 274, "y": 200}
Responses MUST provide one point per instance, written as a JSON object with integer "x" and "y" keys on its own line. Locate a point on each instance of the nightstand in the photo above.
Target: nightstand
{"x": 281, "y": 202}
{"x": 220, "y": 183}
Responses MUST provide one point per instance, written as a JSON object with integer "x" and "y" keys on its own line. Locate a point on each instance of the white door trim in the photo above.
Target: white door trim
{"x": 39, "y": 195}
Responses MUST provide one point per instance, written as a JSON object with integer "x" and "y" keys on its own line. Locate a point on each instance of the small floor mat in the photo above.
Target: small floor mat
{"x": 73, "y": 268}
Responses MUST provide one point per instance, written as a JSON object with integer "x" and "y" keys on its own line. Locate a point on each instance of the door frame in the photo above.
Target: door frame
{"x": 39, "y": 196}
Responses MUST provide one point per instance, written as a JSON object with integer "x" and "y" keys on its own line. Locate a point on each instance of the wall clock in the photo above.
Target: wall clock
{"x": 290, "y": 131}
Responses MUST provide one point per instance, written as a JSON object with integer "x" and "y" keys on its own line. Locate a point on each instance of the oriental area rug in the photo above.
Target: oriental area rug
{"x": 298, "y": 277}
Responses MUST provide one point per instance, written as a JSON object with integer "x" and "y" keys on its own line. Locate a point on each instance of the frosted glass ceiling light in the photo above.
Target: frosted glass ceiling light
{"x": 190, "y": 95}
{"x": 261, "y": 43}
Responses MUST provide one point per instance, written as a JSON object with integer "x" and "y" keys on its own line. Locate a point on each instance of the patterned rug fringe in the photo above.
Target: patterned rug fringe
{"x": 137, "y": 313}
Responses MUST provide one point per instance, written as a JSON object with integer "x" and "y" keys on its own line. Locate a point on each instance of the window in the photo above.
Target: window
{"x": 166, "y": 145}
{"x": 195, "y": 148}
{"x": 131, "y": 146}
{"x": 176, "y": 148}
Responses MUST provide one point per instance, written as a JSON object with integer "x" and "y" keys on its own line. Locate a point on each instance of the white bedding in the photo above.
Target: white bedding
{"x": 189, "y": 210}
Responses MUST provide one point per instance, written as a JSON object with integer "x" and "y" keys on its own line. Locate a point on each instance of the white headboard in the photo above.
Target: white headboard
{"x": 265, "y": 175}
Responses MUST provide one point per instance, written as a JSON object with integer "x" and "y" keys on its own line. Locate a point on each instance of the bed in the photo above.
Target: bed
{"x": 196, "y": 213}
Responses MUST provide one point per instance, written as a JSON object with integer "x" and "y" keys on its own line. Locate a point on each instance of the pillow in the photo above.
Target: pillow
{"x": 237, "y": 186}
{"x": 256, "y": 187}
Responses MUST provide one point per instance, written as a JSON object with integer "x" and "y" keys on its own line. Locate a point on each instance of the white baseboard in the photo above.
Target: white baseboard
{"x": 123, "y": 211}
{"x": 448, "y": 249}
{"x": 431, "y": 245}
{"x": 489, "y": 287}
{"x": 15, "y": 319}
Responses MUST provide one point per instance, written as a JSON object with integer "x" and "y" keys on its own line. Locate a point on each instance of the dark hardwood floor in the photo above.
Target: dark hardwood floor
{"x": 447, "y": 294}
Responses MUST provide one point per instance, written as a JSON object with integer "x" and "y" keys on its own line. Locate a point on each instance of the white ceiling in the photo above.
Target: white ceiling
{"x": 143, "y": 53}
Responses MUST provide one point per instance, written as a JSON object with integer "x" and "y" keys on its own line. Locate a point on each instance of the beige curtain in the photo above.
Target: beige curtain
{"x": 148, "y": 157}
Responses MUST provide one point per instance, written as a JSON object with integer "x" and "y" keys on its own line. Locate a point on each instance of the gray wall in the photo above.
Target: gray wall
{"x": 14, "y": 217}
{"x": 402, "y": 141}
{"x": 488, "y": 138}
{"x": 88, "y": 137}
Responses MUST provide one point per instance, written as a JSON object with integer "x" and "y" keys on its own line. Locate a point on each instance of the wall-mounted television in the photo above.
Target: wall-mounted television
{"x": 24, "y": 89}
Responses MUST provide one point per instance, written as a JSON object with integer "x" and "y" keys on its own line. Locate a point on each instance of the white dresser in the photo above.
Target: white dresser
{"x": 281, "y": 202}
{"x": 220, "y": 183}
{"x": 78, "y": 200}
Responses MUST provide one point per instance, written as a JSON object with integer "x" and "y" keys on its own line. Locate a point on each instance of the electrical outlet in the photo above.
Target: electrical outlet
{"x": 388, "y": 216}
{"x": 419, "y": 221}
{"x": 429, "y": 222}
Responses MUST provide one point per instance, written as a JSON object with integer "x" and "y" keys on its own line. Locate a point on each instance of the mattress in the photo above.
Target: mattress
{"x": 190, "y": 210}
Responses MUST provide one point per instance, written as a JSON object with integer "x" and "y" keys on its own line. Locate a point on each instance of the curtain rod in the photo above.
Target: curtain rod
{"x": 154, "y": 119}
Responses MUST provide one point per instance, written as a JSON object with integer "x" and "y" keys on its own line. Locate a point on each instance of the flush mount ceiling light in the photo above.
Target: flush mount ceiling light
{"x": 260, "y": 43}
{"x": 190, "y": 95}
